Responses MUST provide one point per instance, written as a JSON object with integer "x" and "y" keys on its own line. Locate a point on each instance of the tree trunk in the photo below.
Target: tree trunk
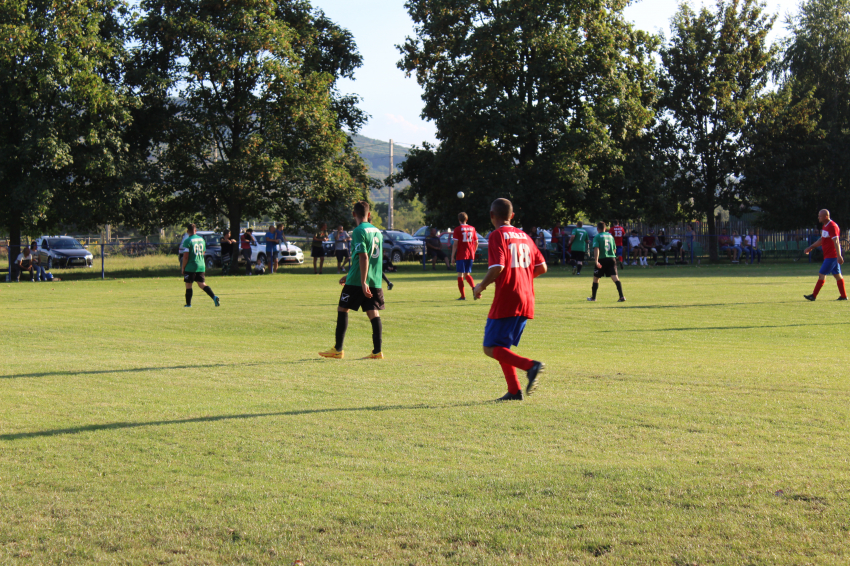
{"x": 14, "y": 241}
{"x": 714, "y": 225}
{"x": 234, "y": 215}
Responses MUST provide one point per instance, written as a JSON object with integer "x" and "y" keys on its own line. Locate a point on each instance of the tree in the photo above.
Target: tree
{"x": 715, "y": 69}
{"x": 61, "y": 147}
{"x": 802, "y": 158}
{"x": 533, "y": 100}
{"x": 253, "y": 122}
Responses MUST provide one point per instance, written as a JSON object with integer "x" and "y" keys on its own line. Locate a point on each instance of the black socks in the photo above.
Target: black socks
{"x": 385, "y": 278}
{"x": 377, "y": 334}
{"x": 579, "y": 268}
{"x": 341, "y": 327}
{"x": 619, "y": 288}
{"x": 594, "y": 288}
{"x": 189, "y": 297}
{"x": 209, "y": 292}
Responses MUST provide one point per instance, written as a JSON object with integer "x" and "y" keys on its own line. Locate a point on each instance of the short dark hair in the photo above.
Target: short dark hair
{"x": 250, "y": 230}
{"x": 579, "y": 224}
{"x": 600, "y": 226}
{"x": 502, "y": 208}
{"x": 462, "y": 217}
{"x": 191, "y": 227}
{"x": 361, "y": 209}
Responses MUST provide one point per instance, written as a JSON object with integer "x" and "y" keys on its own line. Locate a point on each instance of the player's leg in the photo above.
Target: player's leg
{"x": 389, "y": 283}
{"x": 839, "y": 280}
{"x": 594, "y": 288}
{"x": 188, "y": 282}
{"x": 819, "y": 285}
{"x": 339, "y": 334}
{"x": 499, "y": 336}
{"x": 206, "y": 288}
{"x": 616, "y": 279}
{"x": 377, "y": 335}
{"x": 460, "y": 267}
{"x": 467, "y": 273}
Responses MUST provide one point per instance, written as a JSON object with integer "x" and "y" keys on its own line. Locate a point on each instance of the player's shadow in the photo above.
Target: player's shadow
{"x": 243, "y": 416}
{"x": 138, "y": 370}
{"x": 688, "y": 306}
{"x": 752, "y": 327}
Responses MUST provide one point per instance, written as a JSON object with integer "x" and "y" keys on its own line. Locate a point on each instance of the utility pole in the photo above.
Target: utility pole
{"x": 391, "y": 187}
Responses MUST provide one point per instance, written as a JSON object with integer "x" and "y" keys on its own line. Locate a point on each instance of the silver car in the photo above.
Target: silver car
{"x": 62, "y": 251}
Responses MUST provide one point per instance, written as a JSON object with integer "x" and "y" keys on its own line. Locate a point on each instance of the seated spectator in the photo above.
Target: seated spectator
{"x": 725, "y": 244}
{"x": 24, "y": 262}
{"x": 40, "y": 272}
{"x": 663, "y": 244}
{"x": 435, "y": 250}
{"x": 638, "y": 253}
{"x": 650, "y": 244}
{"x": 677, "y": 247}
{"x": 751, "y": 243}
{"x": 737, "y": 246}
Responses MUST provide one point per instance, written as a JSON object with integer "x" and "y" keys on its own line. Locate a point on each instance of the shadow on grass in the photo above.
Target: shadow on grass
{"x": 688, "y": 306}
{"x": 127, "y": 425}
{"x": 142, "y": 370}
{"x": 753, "y": 327}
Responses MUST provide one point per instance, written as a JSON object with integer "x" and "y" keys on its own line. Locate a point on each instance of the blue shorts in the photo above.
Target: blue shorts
{"x": 504, "y": 332}
{"x": 271, "y": 251}
{"x": 463, "y": 265}
{"x": 619, "y": 251}
{"x": 830, "y": 267}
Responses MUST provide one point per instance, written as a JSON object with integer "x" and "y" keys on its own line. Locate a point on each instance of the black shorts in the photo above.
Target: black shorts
{"x": 190, "y": 277}
{"x": 578, "y": 256}
{"x": 352, "y": 297}
{"x": 608, "y": 269}
{"x": 341, "y": 255}
{"x": 439, "y": 254}
{"x": 317, "y": 251}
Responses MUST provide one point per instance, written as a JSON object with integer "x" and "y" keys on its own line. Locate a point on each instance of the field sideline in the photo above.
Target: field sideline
{"x": 704, "y": 421}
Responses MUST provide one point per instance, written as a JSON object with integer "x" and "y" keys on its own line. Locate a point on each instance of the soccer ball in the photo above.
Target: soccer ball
{"x": 460, "y": 194}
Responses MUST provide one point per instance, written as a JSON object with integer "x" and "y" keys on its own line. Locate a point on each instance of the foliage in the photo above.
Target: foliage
{"x": 715, "y": 69}
{"x": 253, "y": 119}
{"x": 61, "y": 146}
{"x": 408, "y": 215}
{"x": 533, "y": 100}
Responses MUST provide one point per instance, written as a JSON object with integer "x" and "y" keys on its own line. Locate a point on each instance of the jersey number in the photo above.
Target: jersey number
{"x": 520, "y": 255}
{"x": 199, "y": 248}
{"x": 467, "y": 236}
{"x": 376, "y": 248}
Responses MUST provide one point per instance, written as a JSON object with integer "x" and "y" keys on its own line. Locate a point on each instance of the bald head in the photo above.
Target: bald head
{"x": 823, "y": 216}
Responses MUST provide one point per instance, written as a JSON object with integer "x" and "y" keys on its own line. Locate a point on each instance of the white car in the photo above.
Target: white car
{"x": 286, "y": 252}
{"x": 62, "y": 251}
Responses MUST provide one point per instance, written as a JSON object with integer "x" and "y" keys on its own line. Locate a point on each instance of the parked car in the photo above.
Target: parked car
{"x": 62, "y": 251}
{"x": 446, "y": 241}
{"x": 286, "y": 252}
{"x": 425, "y": 232}
{"x": 400, "y": 246}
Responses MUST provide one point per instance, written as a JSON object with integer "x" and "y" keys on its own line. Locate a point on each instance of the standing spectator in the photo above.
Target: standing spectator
{"x": 578, "y": 247}
{"x": 281, "y": 240}
{"x": 736, "y": 246}
{"x": 650, "y": 244}
{"x": 725, "y": 244}
{"x": 228, "y": 252}
{"x": 245, "y": 243}
{"x": 541, "y": 245}
{"x": 435, "y": 250}
{"x": 752, "y": 241}
{"x": 271, "y": 248}
{"x": 343, "y": 254}
{"x": 638, "y": 253}
{"x": 690, "y": 234}
{"x": 317, "y": 250}
{"x": 556, "y": 241}
{"x": 24, "y": 262}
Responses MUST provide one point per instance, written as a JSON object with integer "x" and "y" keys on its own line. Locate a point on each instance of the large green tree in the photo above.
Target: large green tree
{"x": 62, "y": 153}
{"x": 533, "y": 100}
{"x": 801, "y": 161}
{"x": 252, "y": 122}
{"x": 715, "y": 70}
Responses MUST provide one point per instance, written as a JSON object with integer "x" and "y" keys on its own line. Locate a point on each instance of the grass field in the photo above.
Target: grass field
{"x": 704, "y": 421}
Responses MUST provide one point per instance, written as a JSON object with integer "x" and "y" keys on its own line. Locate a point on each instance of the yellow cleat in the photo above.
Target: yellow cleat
{"x": 333, "y": 353}
{"x": 378, "y": 356}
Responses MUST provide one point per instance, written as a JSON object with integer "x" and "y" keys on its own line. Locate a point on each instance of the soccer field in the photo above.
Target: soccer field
{"x": 704, "y": 421}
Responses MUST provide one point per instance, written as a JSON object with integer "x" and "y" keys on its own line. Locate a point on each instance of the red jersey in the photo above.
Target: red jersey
{"x": 512, "y": 249}
{"x": 618, "y": 232}
{"x": 830, "y": 231}
{"x": 467, "y": 241}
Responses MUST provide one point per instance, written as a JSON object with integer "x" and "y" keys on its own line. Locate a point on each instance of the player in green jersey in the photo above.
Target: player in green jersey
{"x": 362, "y": 284}
{"x": 194, "y": 267}
{"x": 578, "y": 247}
{"x": 605, "y": 258}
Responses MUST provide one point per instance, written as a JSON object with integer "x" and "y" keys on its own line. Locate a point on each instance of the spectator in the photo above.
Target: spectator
{"x": 343, "y": 253}
{"x": 40, "y": 273}
{"x": 751, "y": 241}
{"x": 678, "y": 249}
{"x": 638, "y": 253}
{"x": 556, "y": 241}
{"x": 271, "y": 248}
{"x": 737, "y": 246}
{"x": 24, "y": 262}
{"x": 245, "y": 243}
{"x": 725, "y": 243}
{"x": 541, "y": 245}
{"x": 664, "y": 245}
{"x": 690, "y": 235}
{"x": 435, "y": 250}
{"x": 228, "y": 252}
{"x": 281, "y": 241}
{"x": 650, "y": 244}
{"x": 317, "y": 250}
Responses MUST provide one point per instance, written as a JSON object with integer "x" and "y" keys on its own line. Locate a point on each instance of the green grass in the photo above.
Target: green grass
{"x": 702, "y": 422}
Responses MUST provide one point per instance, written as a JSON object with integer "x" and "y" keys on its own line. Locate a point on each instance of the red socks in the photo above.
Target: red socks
{"x": 505, "y": 356}
{"x": 469, "y": 280}
{"x": 460, "y": 286}
{"x": 511, "y": 378}
{"x": 818, "y": 287}
{"x": 841, "y": 288}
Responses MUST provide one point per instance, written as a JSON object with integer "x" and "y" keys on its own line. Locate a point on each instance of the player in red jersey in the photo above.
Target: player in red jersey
{"x": 619, "y": 233}
{"x": 463, "y": 252}
{"x": 514, "y": 262}
{"x": 832, "y": 258}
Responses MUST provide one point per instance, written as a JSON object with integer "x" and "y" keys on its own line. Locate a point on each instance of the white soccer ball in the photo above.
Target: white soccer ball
{"x": 460, "y": 194}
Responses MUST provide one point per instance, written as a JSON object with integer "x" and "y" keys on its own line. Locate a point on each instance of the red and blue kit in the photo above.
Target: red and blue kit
{"x": 513, "y": 250}
{"x": 619, "y": 233}
{"x": 830, "y": 253}
{"x": 467, "y": 240}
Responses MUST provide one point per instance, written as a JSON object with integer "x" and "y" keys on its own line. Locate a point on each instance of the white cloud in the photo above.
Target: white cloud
{"x": 405, "y": 125}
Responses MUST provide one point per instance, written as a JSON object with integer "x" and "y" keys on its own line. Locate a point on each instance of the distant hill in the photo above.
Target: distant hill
{"x": 376, "y": 153}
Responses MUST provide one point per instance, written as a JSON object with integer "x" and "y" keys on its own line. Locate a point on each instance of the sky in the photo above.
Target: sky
{"x": 394, "y": 101}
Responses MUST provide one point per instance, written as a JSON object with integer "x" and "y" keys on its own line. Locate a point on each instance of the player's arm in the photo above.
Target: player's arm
{"x": 596, "y": 258}
{"x": 185, "y": 261}
{"x": 817, "y": 244}
{"x": 492, "y": 274}
{"x": 539, "y": 270}
{"x": 454, "y": 249}
{"x": 364, "y": 271}
{"x": 840, "y": 257}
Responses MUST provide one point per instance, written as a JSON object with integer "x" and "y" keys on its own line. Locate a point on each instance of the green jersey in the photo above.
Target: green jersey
{"x": 196, "y": 246}
{"x": 368, "y": 240}
{"x": 607, "y": 247}
{"x": 580, "y": 241}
